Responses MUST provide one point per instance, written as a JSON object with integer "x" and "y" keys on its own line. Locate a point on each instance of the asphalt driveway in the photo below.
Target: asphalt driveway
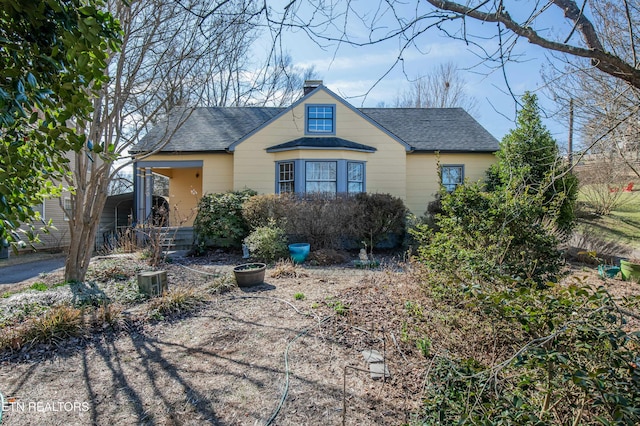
{"x": 24, "y": 271}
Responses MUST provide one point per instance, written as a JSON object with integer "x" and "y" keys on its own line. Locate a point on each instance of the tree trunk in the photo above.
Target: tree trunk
{"x": 87, "y": 205}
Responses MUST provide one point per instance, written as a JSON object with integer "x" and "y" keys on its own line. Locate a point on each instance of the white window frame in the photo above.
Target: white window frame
{"x": 66, "y": 209}
{"x": 289, "y": 180}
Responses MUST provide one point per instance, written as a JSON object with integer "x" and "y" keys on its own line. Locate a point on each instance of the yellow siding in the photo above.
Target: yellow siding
{"x": 385, "y": 169}
{"x": 422, "y": 175}
{"x": 390, "y": 169}
{"x": 185, "y": 189}
{"x": 186, "y": 186}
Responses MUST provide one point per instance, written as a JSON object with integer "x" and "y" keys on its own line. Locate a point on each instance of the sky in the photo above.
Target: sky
{"x": 353, "y": 72}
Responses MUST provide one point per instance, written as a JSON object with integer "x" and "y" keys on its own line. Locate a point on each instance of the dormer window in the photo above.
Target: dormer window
{"x": 321, "y": 119}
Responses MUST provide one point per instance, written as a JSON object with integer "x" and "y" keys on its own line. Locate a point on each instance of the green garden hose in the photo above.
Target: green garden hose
{"x": 1, "y": 406}
{"x": 286, "y": 367}
{"x": 285, "y": 392}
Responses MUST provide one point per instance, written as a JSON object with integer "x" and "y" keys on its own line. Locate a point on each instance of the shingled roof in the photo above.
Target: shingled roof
{"x": 321, "y": 143}
{"x": 435, "y": 129}
{"x": 422, "y": 129}
{"x": 206, "y": 129}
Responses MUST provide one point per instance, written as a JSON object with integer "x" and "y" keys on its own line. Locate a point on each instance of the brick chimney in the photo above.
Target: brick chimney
{"x": 309, "y": 85}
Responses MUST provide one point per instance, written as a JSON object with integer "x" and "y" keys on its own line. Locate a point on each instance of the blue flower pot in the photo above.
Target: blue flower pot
{"x": 606, "y": 271}
{"x": 299, "y": 252}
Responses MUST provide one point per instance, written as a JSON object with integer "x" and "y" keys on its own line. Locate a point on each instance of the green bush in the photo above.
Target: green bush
{"x": 267, "y": 243}
{"x": 529, "y": 160}
{"x": 219, "y": 221}
{"x": 490, "y": 235}
{"x": 573, "y": 363}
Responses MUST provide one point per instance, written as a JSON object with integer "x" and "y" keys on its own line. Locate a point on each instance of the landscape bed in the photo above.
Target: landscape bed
{"x": 221, "y": 359}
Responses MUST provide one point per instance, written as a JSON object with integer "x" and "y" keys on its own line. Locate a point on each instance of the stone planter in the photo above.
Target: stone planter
{"x": 152, "y": 283}
{"x": 249, "y": 274}
{"x": 630, "y": 270}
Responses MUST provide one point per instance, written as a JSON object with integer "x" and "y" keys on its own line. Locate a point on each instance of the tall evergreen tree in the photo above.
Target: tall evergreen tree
{"x": 529, "y": 161}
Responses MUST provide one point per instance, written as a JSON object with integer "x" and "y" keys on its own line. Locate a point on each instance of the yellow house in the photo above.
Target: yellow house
{"x": 320, "y": 143}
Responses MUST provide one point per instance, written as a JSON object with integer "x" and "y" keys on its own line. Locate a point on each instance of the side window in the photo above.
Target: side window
{"x": 286, "y": 177}
{"x": 66, "y": 207}
{"x": 355, "y": 177}
{"x": 320, "y": 119}
{"x": 452, "y": 176}
{"x": 40, "y": 209}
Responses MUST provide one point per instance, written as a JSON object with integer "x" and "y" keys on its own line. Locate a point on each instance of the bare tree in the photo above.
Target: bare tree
{"x": 360, "y": 24}
{"x": 169, "y": 57}
{"x": 606, "y": 109}
{"x": 121, "y": 183}
{"x": 443, "y": 87}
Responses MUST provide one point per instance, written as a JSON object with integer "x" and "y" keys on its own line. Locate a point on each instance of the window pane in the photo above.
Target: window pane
{"x": 355, "y": 187}
{"x": 321, "y": 187}
{"x": 286, "y": 177}
{"x": 321, "y": 170}
{"x": 285, "y": 187}
{"x": 451, "y": 177}
{"x": 355, "y": 172}
{"x": 321, "y": 176}
{"x": 320, "y": 119}
{"x": 40, "y": 209}
{"x": 66, "y": 207}
{"x": 355, "y": 177}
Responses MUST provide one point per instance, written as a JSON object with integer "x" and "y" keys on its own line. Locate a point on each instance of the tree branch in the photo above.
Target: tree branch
{"x": 604, "y": 61}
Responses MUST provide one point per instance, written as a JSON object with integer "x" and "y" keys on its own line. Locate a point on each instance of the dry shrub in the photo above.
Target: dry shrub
{"x": 285, "y": 268}
{"x": 324, "y": 257}
{"x": 55, "y": 325}
{"x": 222, "y": 284}
{"x": 111, "y": 269}
{"x": 257, "y": 210}
{"x": 108, "y": 314}
{"x": 329, "y": 221}
{"x": 127, "y": 240}
{"x": 174, "y": 302}
{"x": 589, "y": 242}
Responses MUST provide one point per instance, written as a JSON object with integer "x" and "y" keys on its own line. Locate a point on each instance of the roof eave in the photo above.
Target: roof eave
{"x": 455, "y": 151}
{"x": 319, "y": 148}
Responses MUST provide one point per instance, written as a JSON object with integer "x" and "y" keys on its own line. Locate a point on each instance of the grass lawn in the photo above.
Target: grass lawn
{"x": 622, "y": 226}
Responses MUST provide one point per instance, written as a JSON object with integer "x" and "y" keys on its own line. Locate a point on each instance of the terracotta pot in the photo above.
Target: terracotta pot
{"x": 249, "y": 274}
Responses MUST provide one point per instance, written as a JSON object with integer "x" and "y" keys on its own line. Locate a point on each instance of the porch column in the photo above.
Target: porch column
{"x": 138, "y": 190}
{"x": 148, "y": 193}
{"x": 143, "y": 188}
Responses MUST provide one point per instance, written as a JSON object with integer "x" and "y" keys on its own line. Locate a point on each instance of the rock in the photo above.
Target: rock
{"x": 379, "y": 370}
{"x": 371, "y": 355}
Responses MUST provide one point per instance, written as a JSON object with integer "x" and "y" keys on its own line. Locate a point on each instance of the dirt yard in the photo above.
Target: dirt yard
{"x": 288, "y": 352}
{"x": 248, "y": 357}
